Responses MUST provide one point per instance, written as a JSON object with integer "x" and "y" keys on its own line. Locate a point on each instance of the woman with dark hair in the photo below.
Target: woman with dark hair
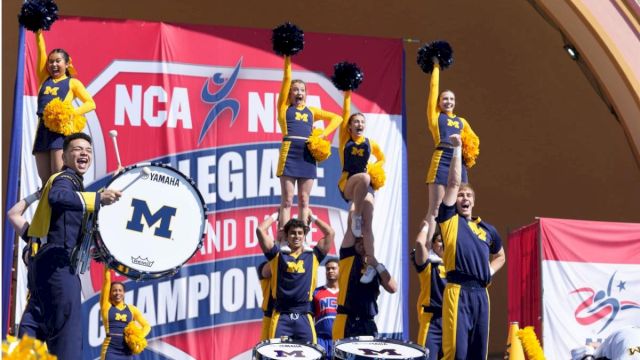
{"x": 55, "y": 73}
{"x": 116, "y": 315}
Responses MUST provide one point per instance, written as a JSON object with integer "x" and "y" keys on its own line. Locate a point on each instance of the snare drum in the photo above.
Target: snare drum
{"x": 286, "y": 348}
{"x": 368, "y": 347}
{"x": 156, "y": 226}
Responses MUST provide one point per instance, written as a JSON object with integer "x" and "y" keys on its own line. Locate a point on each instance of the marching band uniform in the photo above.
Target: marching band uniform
{"x": 296, "y": 124}
{"x": 267, "y": 302}
{"x": 465, "y": 309}
{"x": 115, "y": 318}
{"x": 432, "y": 282}
{"x": 354, "y": 153}
{"x": 293, "y": 282}
{"x": 58, "y": 221}
{"x": 442, "y": 125}
{"x": 65, "y": 88}
{"x": 357, "y": 302}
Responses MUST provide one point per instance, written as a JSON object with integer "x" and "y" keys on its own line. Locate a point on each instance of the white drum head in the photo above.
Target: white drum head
{"x": 275, "y": 349}
{"x": 158, "y": 223}
{"x": 377, "y": 349}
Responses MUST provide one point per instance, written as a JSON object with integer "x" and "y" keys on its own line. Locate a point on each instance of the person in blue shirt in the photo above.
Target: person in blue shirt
{"x": 472, "y": 254}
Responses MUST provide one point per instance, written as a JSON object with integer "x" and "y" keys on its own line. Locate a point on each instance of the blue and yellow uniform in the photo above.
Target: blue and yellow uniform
{"x": 296, "y": 124}
{"x": 354, "y": 153}
{"x": 292, "y": 283}
{"x": 357, "y": 302}
{"x": 465, "y": 309}
{"x": 58, "y": 223}
{"x": 32, "y": 321}
{"x": 432, "y": 283}
{"x": 65, "y": 88}
{"x": 115, "y": 318}
{"x": 442, "y": 125}
{"x": 267, "y": 303}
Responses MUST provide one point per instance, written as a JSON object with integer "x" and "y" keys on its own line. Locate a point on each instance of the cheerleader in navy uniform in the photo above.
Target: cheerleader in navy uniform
{"x": 356, "y": 183}
{"x": 296, "y": 164}
{"x": 116, "y": 315}
{"x": 442, "y": 123}
{"x": 55, "y": 72}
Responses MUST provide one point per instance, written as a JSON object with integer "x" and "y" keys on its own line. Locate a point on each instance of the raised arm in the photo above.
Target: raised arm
{"x": 81, "y": 93}
{"x": 387, "y": 281}
{"x": 432, "y": 99}
{"x": 106, "y": 289}
{"x": 334, "y": 119}
{"x": 16, "y": 213}
{"x": 422, "y": 245}
{"x": 64, "y": 196}
{"x": 41, "y": 68}
{"x": 283, "y": 98}
{"x": 324, "y": 245}
{"x": 346, "y": 112}
{"x": 264, "y": 239}
{"x": 455, "y": 172}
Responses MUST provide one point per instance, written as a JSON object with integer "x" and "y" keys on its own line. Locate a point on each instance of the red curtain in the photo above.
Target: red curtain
{"x": 523, "y": 264}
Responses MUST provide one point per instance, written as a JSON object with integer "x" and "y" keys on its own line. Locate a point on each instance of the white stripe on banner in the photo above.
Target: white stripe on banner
{"x": 585, "y": 302}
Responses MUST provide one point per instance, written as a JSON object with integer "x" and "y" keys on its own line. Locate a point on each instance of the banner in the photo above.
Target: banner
{"x": 590, "y": 282}
{"x": 203, "y": 100}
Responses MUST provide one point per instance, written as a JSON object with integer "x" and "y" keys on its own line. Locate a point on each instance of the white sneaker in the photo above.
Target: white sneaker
{"x": 285, "y": 248}
{"x": 306, "y": 247}
{"x": 368, "y": 275}
{"x": 356, "y": 225}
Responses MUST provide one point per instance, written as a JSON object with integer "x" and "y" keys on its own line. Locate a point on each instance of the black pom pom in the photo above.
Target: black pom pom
{"x": 346, "y": 76}
{"x": 38, "y": 14}
{"x": 439, "y": 49}
{"x": 287, "y": 39}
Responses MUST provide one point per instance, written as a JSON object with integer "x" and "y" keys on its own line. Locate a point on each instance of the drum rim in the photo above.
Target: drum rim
{"x": 352, "y": 339}
{"x": 134, "y": 274}
{"x": 320, "y": 349}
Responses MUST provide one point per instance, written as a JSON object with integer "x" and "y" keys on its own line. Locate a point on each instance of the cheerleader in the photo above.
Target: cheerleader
{"x": 296, "y": 165}
{"x": 55, "y": 73}
{"x": 116, "y": 315}
{"x": 442, "y": 123}
{"x": 355, "y": 184}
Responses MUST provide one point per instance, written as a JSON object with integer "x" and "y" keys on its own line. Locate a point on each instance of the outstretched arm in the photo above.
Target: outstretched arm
{"x": 283, "y": 98}
{"x": 324, "y": 245}
{"x": 455, "y": 172}
{"x": 42, "y": 57}
{"x": 106, "y": 288}
{"x": 265, "y": 240}
{"x": 422, "y": 245}
{"x": 432, "y": 99}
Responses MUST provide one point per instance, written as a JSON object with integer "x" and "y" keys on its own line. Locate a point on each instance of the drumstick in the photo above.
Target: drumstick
{"x": 146, "y": 171}
{"x": 114, "y": 134}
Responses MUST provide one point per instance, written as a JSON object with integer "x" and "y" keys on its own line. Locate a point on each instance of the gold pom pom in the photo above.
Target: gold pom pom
{"x": 377, "y": 175}
{"x": 531, "y": 345}
{"x": 320, "y": 147}
{"x": 60, "y": 117}
{"x": 134, "y": 338}
{"x": 470, "y": 146}
{"x": 26, "y": 348}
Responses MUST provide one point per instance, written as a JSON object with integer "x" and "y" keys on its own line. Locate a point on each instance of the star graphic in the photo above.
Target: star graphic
{"x": 621, "y": 285}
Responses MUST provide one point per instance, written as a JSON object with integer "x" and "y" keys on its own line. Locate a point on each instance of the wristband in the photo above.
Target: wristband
{"x": 380, "y": 268}
{"x": 31, "y": 198}
{"x": 274, "y": 216}
{"x": 425, "y": 228}
{"x": 457, "y": 151}
{"x": 313, "y": 218}
{"x": 491, "y": 271}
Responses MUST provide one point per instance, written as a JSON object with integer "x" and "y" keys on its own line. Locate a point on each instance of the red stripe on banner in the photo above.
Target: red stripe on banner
{"x": 590, "y": 241}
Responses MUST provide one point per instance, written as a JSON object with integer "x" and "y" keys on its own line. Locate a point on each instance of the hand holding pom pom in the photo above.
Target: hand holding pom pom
{"x": 134, "y": 338}
{"x": 440, "y": 50}
{"x": 470, "y": 146}
{"x": 346, "y": 76}
{"x": 319, "y": 147}
{"x": 60, "y": 117}
{"x": 377, "y": 175}
{"x": 38, "y": 14}
{"x": 287, "y": 39}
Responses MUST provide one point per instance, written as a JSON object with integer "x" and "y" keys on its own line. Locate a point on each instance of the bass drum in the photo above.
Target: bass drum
{"x": 157, "y": 225}
{"x": 285, "y": 348}
{"x": 368, "y": 347}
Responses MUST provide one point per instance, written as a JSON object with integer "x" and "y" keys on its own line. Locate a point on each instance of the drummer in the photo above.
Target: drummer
{"x": 358, "y": 302}
{"x": 59, "y": 217}
{"x": 294, "y": 276}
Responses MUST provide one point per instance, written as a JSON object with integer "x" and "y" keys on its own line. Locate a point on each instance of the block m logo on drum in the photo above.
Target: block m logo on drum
{"x": 286, "y": 354}
{"x": 367, "y": 352}
{"x": 163, "y": 215}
